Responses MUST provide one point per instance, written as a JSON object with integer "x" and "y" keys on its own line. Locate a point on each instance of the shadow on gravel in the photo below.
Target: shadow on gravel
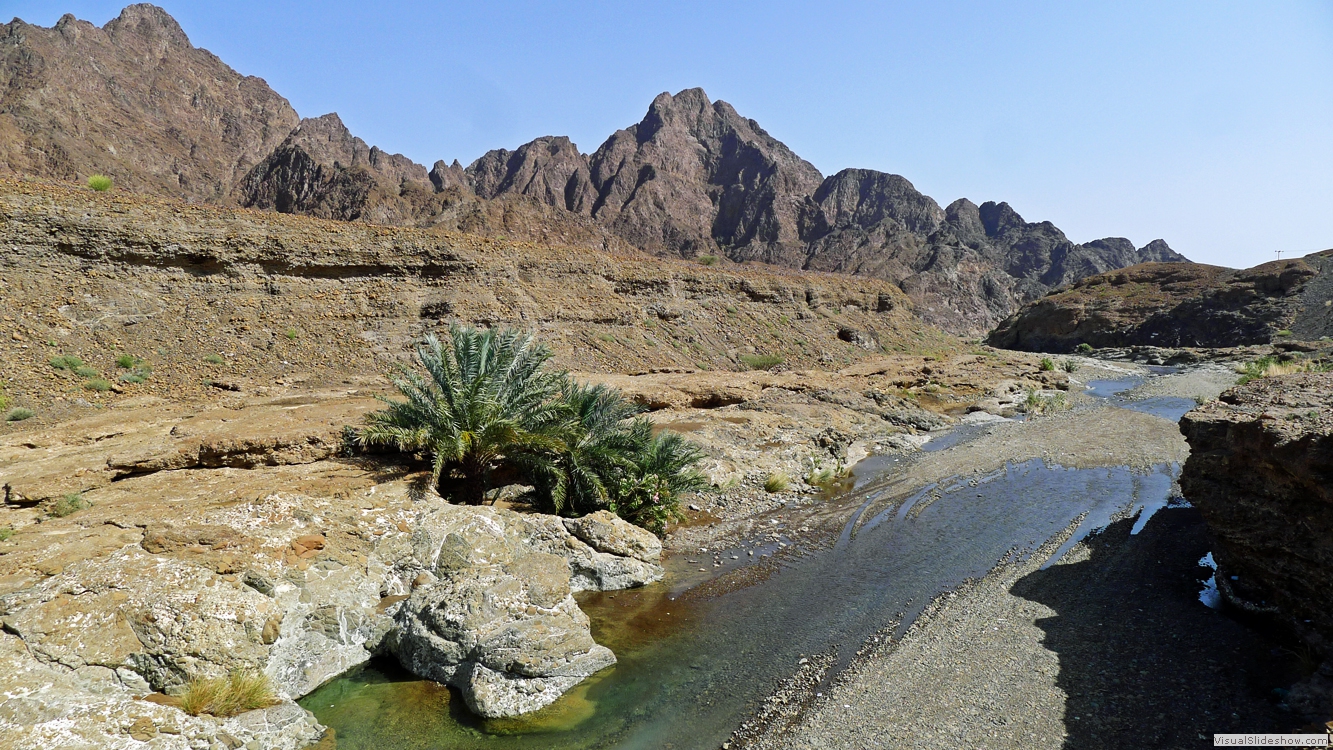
{"x": 1144, "y": 663}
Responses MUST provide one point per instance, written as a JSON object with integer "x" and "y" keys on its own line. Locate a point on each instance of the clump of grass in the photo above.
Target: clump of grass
{"x": 97, "y": 384}
{"x": 241, "y": 691}
{"x": 1270, "y": 366}
{"x": 1068, "y": 365}
{"x": 132, "y": 377}
{"x": 1083, "y": 348}
{"x": 761, "y": 361}
{"x": 68, "y": 505}
{"x": 777, "y": 482}
{"x": 608, "y": 338}
{"x": 1284, "y": 332}
{"x": 1047, "y": 365}
{"x": 86, "y": 372}
{"x": 707, "y": 260}
{"x": 5, "y": 533}
{"x": 139, "y": 370}
{"x": 100, "y": 182}
{"x": 1036, "y": 404}
{"x": 731, "y": 310}
{"x": 291, "y": 334}
{"x": 214, "y": 359}
{"x": 4, "y": 400}
{"x": 19, "y": 414}
{"x": 66, "y": 362}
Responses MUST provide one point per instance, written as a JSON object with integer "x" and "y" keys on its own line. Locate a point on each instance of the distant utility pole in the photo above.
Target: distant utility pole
{"x": 1279, "y": 255}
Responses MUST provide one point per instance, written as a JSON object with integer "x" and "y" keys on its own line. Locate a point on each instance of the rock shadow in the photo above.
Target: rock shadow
{"x": 1143, "y": 662}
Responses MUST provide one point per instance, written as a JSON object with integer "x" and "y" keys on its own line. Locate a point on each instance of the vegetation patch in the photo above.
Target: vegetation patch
{"x": 238, "y": 692}
{"x": 1047, "y": 364}
{"x": 5, "y": 533}
{"x": 1037, "y": 404}
{"x": 489, "y": 412}
{"x": 1084, "y": 348}
{"x": 777, "y": 482}
{"x": 66, "y": 362}
{"x": 68, "y": 505}
{"x": 19, "y": 414}
{"x": 100, "y": 182}
{"x": 86, "y": 372}
{"x": 291, "y": 334}
{"x": 761, "y": 361}
{"x": 1068, "y": 365}
{"x": 707, "y": 260}
{"x": 97, "y": 384}
{"x": 1270, "y": 366}
{"x": 214, "y": 359}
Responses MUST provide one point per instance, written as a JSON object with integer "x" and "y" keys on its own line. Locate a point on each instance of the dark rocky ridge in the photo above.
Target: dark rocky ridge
{"x": 1261, "y": 472}
{"x": 1174, "y": 305}
{"x": 692, "y": 178}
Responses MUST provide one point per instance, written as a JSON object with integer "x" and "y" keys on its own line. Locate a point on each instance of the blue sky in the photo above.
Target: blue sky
{"x": 1209, "y": 124}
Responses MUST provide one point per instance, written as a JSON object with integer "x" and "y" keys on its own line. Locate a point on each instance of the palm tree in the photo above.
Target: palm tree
{"x": 598, "y": 450}
{"x": 489, "y": 403}
{"x": 661, "y": 468}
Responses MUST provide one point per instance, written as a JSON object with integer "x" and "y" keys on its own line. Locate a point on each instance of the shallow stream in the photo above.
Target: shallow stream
{"x": 692, "y": 667}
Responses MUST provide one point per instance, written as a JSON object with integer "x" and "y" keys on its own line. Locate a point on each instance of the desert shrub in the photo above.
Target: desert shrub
{"x": 761, "y": 361}
{"x": 291, "y": 334}
{"x": 1270, "y": 366}
{"x": 608, "y": 338}
{"x": 97, "y": 384}
{"x": 5, "y": 533}
{"x": 731, "y": 310}
{"x": 86, "y": 372}
{"x": 66, "y": 362}
{"x": 68, "y": 505}
{"x": 125, "y": 361}
{"x": 1047, "y": 365}
{"x": 489, "y": 412}
{"x": 214, "y": 359}
{"x": 777, "y": 482}
{"x": 132, "y": 377}
{"x": 1036, "y": 404}
{"x": 238, "y": 692}
{"x": 707, "y": 260}
{"x": 99, "y": 182}
{"x": 18, "y": 415}
{"x": 1068, "y": 365}
{"x": 1084, "y": 348}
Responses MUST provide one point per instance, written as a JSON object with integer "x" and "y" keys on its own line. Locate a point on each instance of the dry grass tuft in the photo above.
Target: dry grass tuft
{"x": 241, "y": 691}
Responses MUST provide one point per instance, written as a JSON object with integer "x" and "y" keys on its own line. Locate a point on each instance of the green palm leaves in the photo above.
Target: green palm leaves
{"x": 489, "y": 412}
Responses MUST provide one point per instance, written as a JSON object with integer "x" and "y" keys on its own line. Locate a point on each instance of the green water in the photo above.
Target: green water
{"x": 383, "y": 706}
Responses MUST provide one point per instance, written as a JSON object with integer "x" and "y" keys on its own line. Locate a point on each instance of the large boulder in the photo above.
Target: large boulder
{"x": 510, "y": 636}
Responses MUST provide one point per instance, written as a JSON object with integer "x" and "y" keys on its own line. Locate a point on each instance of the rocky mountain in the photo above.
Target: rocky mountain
{"x": 692, "y": 179}
{"x": 135, "y": 100}
{"x": 1173, "y": 304}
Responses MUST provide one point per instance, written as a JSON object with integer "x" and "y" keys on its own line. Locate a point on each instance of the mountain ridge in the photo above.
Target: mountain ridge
{"x": 693, "y": 178}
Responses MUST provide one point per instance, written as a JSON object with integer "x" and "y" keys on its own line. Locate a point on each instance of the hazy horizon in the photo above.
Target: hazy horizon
{"x": 1203, "y": 125}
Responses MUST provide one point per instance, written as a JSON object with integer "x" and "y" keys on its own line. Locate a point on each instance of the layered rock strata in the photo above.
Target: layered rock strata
{"x": 1261, "y": 472}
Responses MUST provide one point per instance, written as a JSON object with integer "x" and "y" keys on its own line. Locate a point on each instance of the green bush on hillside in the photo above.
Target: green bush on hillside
{"x": 761, "y": 361}
{"x": 1047, "y": 364}
{"x": 214, "y": 359}
{"x": 66, "y": 362}
{"x": 18, "y": 414}
{"x": 99, "y": 182}
{"x": 1084, "y": 348}
{"x": 490, "y": 412}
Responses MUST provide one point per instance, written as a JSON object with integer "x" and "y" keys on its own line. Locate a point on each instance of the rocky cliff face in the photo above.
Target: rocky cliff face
{"x": 692, "y": 178}
{"x": 1174, "y": 304}
{"x": 135, "y": 100}
{"x": 1261, "y": 472}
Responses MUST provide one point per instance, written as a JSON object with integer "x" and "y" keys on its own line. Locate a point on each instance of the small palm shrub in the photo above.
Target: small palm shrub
{"x": 241, "y": 691}
{"x": 18, "y": 415}
{"x": 490, "y": 412}
{"x": 99, "y": 182}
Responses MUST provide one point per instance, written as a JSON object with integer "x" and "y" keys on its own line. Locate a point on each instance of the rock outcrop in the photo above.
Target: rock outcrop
{"x": 1261, "y": 472}
{"x": 1180, "y": 305}
{"x": 692, "y": 178}
{"x": 301, "y": 569}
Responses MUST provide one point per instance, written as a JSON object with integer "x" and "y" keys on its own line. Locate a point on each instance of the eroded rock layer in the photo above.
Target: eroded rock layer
{"x": 1261, "y": 472}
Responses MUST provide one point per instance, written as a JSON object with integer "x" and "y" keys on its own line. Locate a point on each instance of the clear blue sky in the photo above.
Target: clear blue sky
{"x": 1209, "y": 124}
